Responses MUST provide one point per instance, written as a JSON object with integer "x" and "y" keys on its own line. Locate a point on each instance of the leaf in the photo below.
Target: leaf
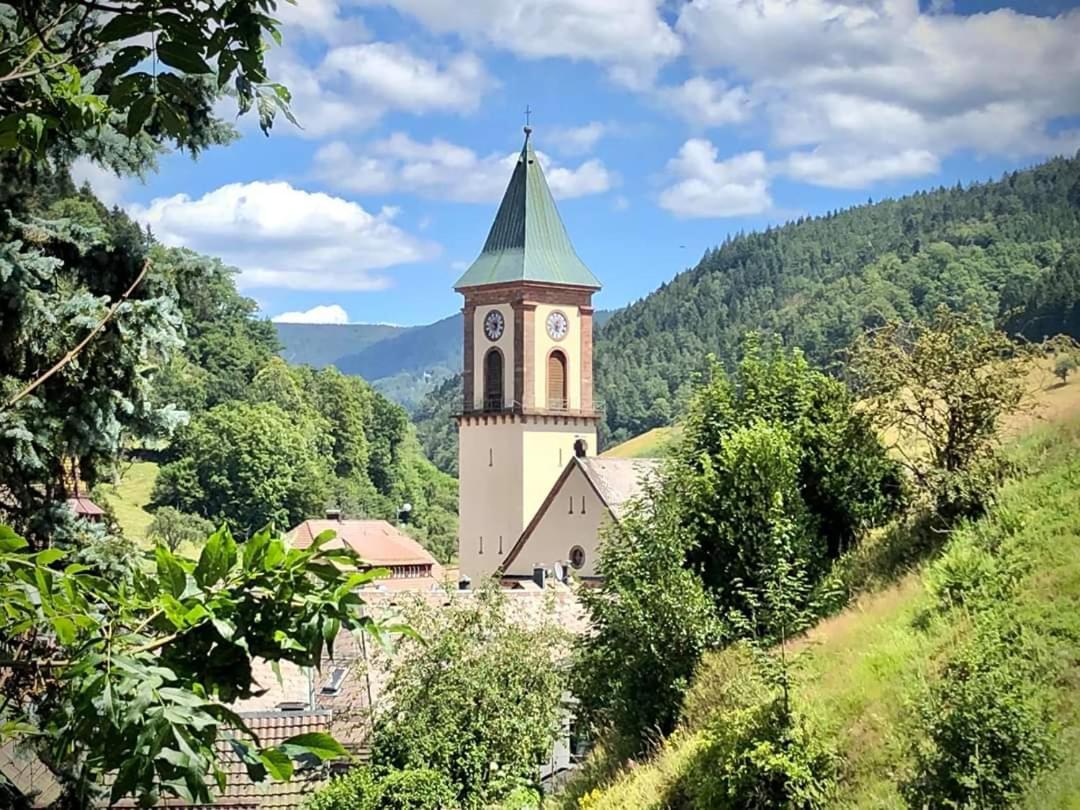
{"x": 140, "y": 111}
{"x": 9, "y": 541}
{"x": 170, "y": 573}
{"x": 49, "y": 556}
{"x": 217, "y": 558}
{"x": 321, "y": 745}
{"x": 277, "y": 763}
{"x": 225, "y": 628}
{"x": 125, "y": 26}
{"x": 182, "y": 57}
{"x": 65, "y": 629}
{"x": 175, "y": 86}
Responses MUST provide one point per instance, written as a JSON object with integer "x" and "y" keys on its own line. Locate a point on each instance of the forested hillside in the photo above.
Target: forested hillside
{"x": 242, "y": 435}
{"x": 1002, "y": 246}
{"x": 1010, "y": 248}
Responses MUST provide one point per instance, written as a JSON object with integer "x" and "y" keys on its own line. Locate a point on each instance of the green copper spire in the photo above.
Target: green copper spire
{"x": 528, "y": 241}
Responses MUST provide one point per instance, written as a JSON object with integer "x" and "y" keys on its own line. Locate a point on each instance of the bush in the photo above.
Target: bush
{"x": 759, "y": 758}
{"x": 653, "y": 620}
{"x": 415, "y": 789}
{"x": 173, "y": 527}
{"x": 356, "y": 790}
{"x": 480, "y": 702}
{"x": 984, "y": 727}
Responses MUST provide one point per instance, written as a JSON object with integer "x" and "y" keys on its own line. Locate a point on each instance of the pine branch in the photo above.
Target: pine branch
{"x": 71, "y": 355}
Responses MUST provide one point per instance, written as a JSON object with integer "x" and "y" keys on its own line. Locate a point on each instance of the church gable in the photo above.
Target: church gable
{"x": 568, "y": 526}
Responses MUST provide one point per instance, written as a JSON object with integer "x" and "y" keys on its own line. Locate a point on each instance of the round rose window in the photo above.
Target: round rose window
{"x": 577, "y": 556}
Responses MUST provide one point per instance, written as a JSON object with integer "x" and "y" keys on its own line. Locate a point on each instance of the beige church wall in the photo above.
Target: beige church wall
{"x": 481, "y": 345}
{"x": 571, "y": 347}
{"x": 490, "y": 473}
{"x": 548, "y": 448}
{"x": 561, "y": 528}
{"x": 505, "y": 471}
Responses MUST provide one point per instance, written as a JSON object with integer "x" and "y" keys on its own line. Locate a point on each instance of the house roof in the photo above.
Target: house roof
{"x": 272, "y": 728}
{"x": 528, "y": 241}
{"x": 84, "y": 506}
{"x": 375, "y": 541}
{"x": 616, "y": 481}
{"x": 24, "y": 771}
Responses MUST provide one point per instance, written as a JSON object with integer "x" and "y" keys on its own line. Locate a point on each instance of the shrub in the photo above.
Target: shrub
{"x": 480, "y": 702}
{"x": 653, "y": 620}
{"x": 415, "y": 789}
{"x": 759, "y": 758}
{"x": 984, "y": 727}
{"x": 356, "y": 790}
{"x": 173, "y": 527}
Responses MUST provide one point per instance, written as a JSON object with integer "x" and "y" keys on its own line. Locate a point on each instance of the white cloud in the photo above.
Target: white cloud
{"x": 446, "y": 171}
{"x": 320, "y": 19}
{"x": 105, "y": 183}
{"x": 899, "y": 87}
{"x": 708, "y": 102}
{"x": 355, "y": 86}
{"x": 620, "y": 203}
{"x": 707, "y": 187}
{"x": 853, "y": 170}
{"x": 281, "y": 236}
{"x": 326, "y": 313}
{"x": 577, "y": 140}
{"x": 403, "y": 80}
{"x": 628, "y": 36}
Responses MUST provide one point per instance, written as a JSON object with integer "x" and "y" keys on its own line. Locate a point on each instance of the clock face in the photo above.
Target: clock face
{"x": 557, "y": 325}
{"x": 494, "y": 323}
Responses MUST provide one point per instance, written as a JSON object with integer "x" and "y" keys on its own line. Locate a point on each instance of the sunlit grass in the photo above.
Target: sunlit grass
{"x": 859, "y": 670}
{"x": 129, "y": 498}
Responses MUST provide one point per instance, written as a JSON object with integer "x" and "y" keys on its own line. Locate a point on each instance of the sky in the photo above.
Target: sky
{"x": 663, "y": 126}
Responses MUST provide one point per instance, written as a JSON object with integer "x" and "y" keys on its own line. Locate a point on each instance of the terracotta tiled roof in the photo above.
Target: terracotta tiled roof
{"x": 84, "y": 506}
{"x": 272, "y": 728}
{"x": 376, "y": 541}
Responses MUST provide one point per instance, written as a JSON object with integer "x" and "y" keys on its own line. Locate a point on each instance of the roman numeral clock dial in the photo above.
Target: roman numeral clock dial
{"x": 557, "y": 325}
{"x": 494, "y": 323}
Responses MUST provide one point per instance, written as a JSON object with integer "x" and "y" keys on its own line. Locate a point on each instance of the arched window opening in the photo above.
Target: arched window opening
{"x": 556, "y": 381}
{"x": 493, "y": 380}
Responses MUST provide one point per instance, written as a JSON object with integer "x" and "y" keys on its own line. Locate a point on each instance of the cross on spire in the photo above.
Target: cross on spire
{"x": 528, "y": 116}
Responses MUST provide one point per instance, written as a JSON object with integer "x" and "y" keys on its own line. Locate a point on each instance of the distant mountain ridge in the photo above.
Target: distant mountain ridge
{"x": 402, "y": 362}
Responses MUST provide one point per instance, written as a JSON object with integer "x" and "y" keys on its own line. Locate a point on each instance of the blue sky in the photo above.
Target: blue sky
{"x": 663, "y": 126}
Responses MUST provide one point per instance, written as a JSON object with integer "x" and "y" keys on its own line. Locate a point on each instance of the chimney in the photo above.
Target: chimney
{"x": 581, "y": 447}
{"x": 464, "y": 583}
{"x": 539, "y": 575}
{"x": 333, "y": 514}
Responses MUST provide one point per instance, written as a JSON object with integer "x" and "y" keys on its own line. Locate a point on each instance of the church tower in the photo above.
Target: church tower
{"x": 528, "y": 398}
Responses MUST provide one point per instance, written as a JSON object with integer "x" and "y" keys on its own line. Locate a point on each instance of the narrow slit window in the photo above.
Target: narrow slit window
{"x": 500, "y": 544}
{"x": 583, "y": 504}
{"x": 571, "y": 505}
{"x": 491, "y": 456}
{"x": 481, "y": 544}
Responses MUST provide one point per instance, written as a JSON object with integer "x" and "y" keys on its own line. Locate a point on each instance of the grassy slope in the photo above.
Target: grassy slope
{"x": 130, "y": 497}
{"x": 650, "y": 444}
{"x": 861, "y": 667}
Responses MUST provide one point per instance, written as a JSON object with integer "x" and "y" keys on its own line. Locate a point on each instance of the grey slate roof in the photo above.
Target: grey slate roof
{"x": 619, "y": 480}
{"x": 528, "y": 241}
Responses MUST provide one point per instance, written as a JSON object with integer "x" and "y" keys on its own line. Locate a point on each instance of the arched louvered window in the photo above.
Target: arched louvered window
{"x": 556, "y": 381}
{"x": 493, "y": 380}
